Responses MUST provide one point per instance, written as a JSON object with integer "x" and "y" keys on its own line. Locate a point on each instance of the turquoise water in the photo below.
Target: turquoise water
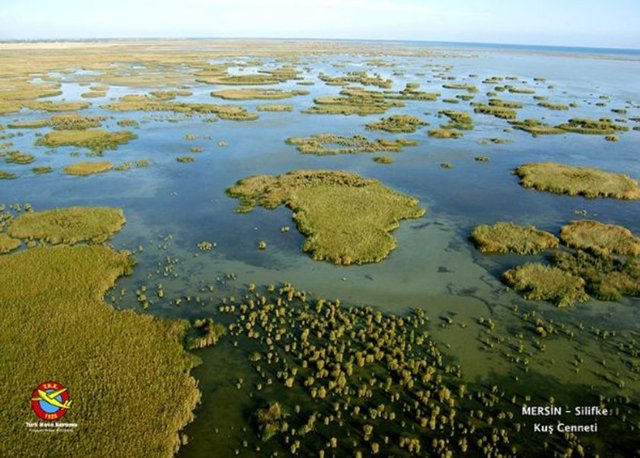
{"x": 170, "y": 207}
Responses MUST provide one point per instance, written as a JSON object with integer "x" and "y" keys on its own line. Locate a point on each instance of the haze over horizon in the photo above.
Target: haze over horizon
{"x": 587, "y": 23}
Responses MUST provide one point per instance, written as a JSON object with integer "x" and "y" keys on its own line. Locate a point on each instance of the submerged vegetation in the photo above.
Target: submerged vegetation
{"x": 585, "y": 181}
{"x": 508, "y": 237}
{"x": 366, "y": 209}
{"x": 330, "y": 144}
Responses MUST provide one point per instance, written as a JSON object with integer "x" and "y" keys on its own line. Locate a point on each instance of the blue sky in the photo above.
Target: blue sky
{"x": 614, "y": 23}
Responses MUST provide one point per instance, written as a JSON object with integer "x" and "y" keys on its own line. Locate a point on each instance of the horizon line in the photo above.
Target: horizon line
{"x": 185, "y": 38}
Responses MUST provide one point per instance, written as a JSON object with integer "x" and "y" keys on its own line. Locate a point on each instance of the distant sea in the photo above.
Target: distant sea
{"x": 626, "y": 52}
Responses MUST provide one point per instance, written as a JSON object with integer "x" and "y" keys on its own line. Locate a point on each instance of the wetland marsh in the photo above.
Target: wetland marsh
{"x": 293, "y": 295}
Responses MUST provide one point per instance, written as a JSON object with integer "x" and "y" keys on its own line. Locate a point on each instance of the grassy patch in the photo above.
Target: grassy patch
{"x": 535, "y": 127}
{"x": 93, "y": 94}
{"x": 8, "y": 243}
{"x": 353, "y": 101}
{"x": 384, "y": 159}
{"x": 571, "y": 180}
{"x": 74, "y": 122}
{"x": 185, "y": 159}
{"x": 603, "y": 126}
{"x": 97, "y": 140}
{"x": 497, "y": 111}
{"x": 508, "y": 237}
{"x": 87, "y": 168}
{"x": 460, "y": 120}
{"x": 251, "y": 94}
{"x": 519, "y": 90}
{"x": 274, "y": 107}
{"x": 505, "y": 103}
{"x": 411, "y": 92}
{"x": 607, "y": 278}
{"x": 227, "y": 112}
{"x": 38, "y": 124}
{"x": 346, "y": 218}
{"x": 104, "y": 357}
{"x": 538, "y": 282}
{"x": 360, "y": 77}
{"x": 398, "y": 123}
{"x": 461, "y": 86}
{"x": 68, "y": 225}
{"x": 42, "y": 170}
{"x": 444, "y": 133}
{"x": 329, "y": 144}
{"x": 16, "y": 157}
{"x": 7, "y": 175}
{"x": 599, "y": 238}
{"x": 71, "y": 121}
{"x": 553, "y": 106}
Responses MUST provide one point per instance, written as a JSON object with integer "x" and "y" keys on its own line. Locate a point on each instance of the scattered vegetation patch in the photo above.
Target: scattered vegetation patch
{"x": 42, "y": 170}
{"x": 585, "y": 181}
{"x": 445, "y": 133}
{"x": 553, "y": 106}
{"x": 398, "y": 123}
{"x": 537, "y": 282}
{"x": 607, "y": 278}
{"x": 185, "y": 159}
{"x": 97, "y": 140}
{"x": 411, "y": 92}
{"x": 7, "y": 175}
{"x": 460, "y": 120}
{"x": 346, "y": 218}
{"x": 68, "y": 225}
{"x": 507, "y": 237}
{"x": 74, "y": 122}
{"x": 505, "y": 103}
{"x": 520, "y": 90}
{"x": 87, "y": 168}
{"x": 461, "y": 86}
{"x": 227, "y": 112}
{"x": 535, "y": 127}
{"x": 497, "y": 111}
{"x": 353, "y": 101}
{"x": 274, "y": 107}
{"x": 600, "y": 239}
{"x": 384, "y": 159}
{"x": 93, "y": 94}
{"x": 16, "y": 157}
{"x": 360, "y": 77}
{"x": 603, "y": 126}
{"x": 251, "y": 94}
{"x": 330, "y": 144}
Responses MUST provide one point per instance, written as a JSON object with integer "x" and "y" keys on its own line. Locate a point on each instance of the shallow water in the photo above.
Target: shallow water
{"x": 170, "y": 207}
